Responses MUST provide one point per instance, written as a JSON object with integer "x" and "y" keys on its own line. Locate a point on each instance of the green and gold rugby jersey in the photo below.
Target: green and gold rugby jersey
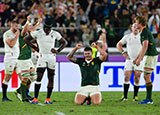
{"x": 25, "y": 50}
{"x": 89, "y": 71}
{"x": 147, "y": 35}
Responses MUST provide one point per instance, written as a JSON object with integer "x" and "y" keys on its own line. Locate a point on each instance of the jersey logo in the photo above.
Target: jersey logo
{"x": 51, "y": 36}
{"x": 150, "y": 44}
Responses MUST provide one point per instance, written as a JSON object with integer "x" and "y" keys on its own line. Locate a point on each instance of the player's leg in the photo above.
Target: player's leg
{"x": 4, "y": 87}
{"x": 127, "y": 75}
{"x": 40, "y": 72}
{"x": 96, "y": 98}
{"x": 51, "y": 73}
{"x": 126, "y": 84}
{"x": 149, "y": 65}
{"x": 41, "y": 67}
{"x": 25, "y": 75}
{"x": 81, "y": 95}
{"x": 137, "y": 75}
{"x": 32, "y": 78}
{"x": 9, "y": 68}
{"x": 80, "y": 99}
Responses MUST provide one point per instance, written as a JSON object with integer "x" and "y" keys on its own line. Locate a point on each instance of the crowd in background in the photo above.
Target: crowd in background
{"x": 79, "y": 20}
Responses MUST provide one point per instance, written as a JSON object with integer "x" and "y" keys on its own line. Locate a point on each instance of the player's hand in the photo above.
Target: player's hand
{"x": 138, "y": 62}
{"x": 78, "y": 46}
{"x": 40, "y": 20}
{"x": 17, "y": 32}
{"x": 90, "y": 1}
{"x": 94, "y": 45}
{"x": 54, "y": 51}
{"x": 29, "y": 18}
{"x": 126, "y": 56}
{"x": 134, "y": 61}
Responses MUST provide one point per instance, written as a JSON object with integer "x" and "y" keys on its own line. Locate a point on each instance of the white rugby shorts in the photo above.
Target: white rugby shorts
{"x": 47, "y": 60}
{"x": 129, "y": 66}
{"x": 10, "y": 66}
{"x": 89, "y": 90}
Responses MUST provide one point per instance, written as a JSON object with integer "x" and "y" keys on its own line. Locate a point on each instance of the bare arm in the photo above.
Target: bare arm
{"x": 34, "y": 28}
{"x": 28, "y": 39}
{"x": 63, "y": 43}
{"x": 12, "y": 42}
{"x": 70, "y": 55}
{"x": 120, "y": 48}
{"x": 103, "y": 53}
{"x": 24, "y": 30}
{"x": 143, "y": 50}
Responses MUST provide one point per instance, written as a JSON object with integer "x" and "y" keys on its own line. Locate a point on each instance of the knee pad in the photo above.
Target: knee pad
{"x": 33, "y": 77}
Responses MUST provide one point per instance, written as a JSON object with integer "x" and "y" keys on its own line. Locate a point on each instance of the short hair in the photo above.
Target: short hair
{"x": 87, "y": 49}
{"x": 48, "y": 23}
{"x": 14, "y": 21}
{"x": 141, "y": 20}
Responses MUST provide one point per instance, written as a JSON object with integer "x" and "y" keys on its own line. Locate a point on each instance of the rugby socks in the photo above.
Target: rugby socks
{"x": 49, "y": 91}
{"x": 23, "y": 89}
{"x": 37, "y": 88}
{"x": 126, "y": 87}
{"x": 4, "y": 90}
{"x": 149, "y": 90}
{"x": 136, "y": 88}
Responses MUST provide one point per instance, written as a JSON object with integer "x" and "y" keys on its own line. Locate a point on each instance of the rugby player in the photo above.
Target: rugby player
{"x": 47, "y": 60}
{"x": 90, "y": 69}
{"x": 149, "y": 54}
{"x": 24, "y": 62}
{"x": 134, "y": 46}
{"x": 10, "y": 39}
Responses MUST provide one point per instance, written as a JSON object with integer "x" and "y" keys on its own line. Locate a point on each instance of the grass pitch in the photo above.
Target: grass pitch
{"x": 64, "y": 105}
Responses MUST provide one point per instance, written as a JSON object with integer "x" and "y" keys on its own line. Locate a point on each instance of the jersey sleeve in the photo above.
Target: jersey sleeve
{"x": 57, "y": 35}
{"x": 7, "y": 35}
{"x": 98, "y": 60}
{"x": 124, "y": 40}
{"x": 34, "y": 34}
{"x": 144, "y": 35}
{"x": 79, "y": 61}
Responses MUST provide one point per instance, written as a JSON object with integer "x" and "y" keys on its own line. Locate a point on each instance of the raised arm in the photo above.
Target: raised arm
{"x": 103, "y": 53}
{"x": 34, "y": 28}
{"x": 24, "y": 30}
{"x": 12, "y": 42}
{"x": 70, "y": 55}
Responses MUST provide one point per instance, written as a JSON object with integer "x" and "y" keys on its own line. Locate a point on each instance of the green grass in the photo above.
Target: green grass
{"x": 65, "y": 104}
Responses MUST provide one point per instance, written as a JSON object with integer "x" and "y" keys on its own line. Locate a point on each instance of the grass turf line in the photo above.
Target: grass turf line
{"x": 64, "y": 103}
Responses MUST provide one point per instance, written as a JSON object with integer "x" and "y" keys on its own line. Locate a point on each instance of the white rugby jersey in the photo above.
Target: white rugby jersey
{"x": 34, "y": 58}
{"x": 133, "y": 44}
{"x": 46, "y": 42}
{"x": 10, "y": 53}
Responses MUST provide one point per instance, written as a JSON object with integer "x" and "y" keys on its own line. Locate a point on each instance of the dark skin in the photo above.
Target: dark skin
{"x": 47, "y": 30}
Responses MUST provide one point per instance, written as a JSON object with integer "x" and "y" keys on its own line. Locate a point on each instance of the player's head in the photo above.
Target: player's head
{"x": 134, "y": 28}
{"x": 88, "y": 53}
{"x": 14, "y": 25}
{"x": 141, "y": 21}
{"x": 47, "y": 26}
